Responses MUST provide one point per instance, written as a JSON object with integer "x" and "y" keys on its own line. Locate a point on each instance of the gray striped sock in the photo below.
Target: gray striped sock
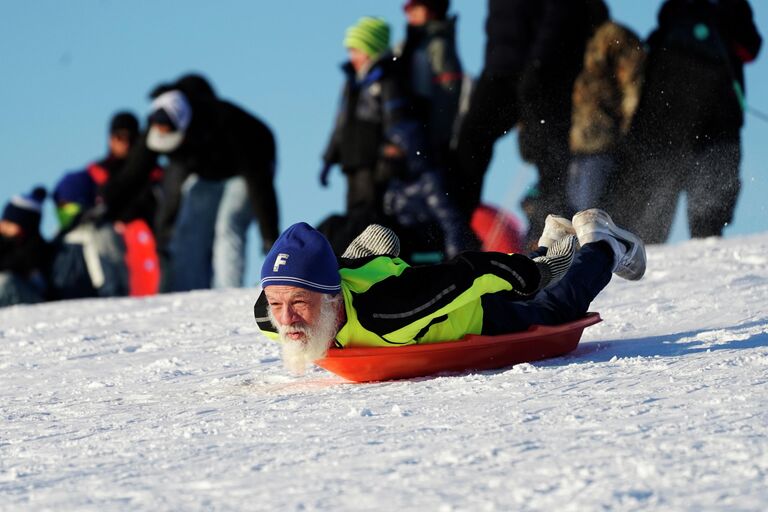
{"x": 375, "y": 240}
{"x": 558, "y": 260}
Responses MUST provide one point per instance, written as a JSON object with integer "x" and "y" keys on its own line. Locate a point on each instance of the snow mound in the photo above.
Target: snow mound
{"x": 176, "y": 402}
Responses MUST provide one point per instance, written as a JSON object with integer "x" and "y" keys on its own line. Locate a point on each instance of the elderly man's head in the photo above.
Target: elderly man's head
{"x": 306, "y": 321}
{"x": 301, "y": 281}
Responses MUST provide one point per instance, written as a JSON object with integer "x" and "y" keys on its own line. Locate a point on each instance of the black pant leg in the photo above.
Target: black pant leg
{"x": 713, "y": 189}
{"x": 493, "y": 112}
{"x": 565, "y": 301}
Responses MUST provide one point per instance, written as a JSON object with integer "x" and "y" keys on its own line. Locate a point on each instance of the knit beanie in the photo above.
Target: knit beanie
{"x": 171, "y": 108}
{"x": 124, "y": 123}
{"x": 75, "y": 187}
{"x": 302, "y": 257}
{"x": 26, "y": 210}
{"x": 369, "y": 35}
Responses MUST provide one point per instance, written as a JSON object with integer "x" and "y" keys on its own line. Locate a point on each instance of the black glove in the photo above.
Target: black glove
{"x": 324, "y": 172}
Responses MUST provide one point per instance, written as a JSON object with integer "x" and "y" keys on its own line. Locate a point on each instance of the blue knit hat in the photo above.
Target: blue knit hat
{"x": 302, "y": 257}
{"x": 76, "y": 187}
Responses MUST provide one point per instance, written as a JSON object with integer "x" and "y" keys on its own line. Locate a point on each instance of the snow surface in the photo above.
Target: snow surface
{"x": 177, "y": 403}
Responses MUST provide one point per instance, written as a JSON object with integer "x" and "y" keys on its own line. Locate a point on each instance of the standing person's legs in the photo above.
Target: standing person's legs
{"x": 713, "y": 187}
{"x": 191, "y": 245}
{"x": 232, "y": 221}
{"x": 565, "y": 301}
{"x": 552, "y": 166}
{"x": 167, "y": 212}
{"x": 588, "y": 177}
{"x": 15, "y": 290}
{"x": 663, "y": 179}
{"x": 361, "y": 191}
{"x": 492, "y": 114}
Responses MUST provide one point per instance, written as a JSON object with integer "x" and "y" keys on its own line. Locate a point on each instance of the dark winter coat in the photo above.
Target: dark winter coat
{"x": 142, "y": 206}
{"x": 374, "y": 111}
{"x": 549, "y": 34}
{"x": 541, "y": 45}
{"x": 732, "y": 32}
{"x": 698, "y": 52}
{"x": 607, "y": 91}
{"x": 222, "y": 141}
{"x": 431, "y": 71}
{"x": 24, "y": 254}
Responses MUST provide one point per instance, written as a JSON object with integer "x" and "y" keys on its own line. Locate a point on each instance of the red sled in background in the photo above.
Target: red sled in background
{"x": 470, "y": 353}
{"x": 498, "y": 229}
{"x": 141, "y": 259}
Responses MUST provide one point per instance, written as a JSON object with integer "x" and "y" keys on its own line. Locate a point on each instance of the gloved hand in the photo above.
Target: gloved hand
{"x": 558, "y": 260}
{"x": 324, "y": 172}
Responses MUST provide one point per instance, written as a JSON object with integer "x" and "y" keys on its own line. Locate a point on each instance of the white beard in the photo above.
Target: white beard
{"x": 297, "y": 355}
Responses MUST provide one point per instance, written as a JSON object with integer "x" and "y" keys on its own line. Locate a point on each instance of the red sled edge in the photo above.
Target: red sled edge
{"x": 473, "y": 352}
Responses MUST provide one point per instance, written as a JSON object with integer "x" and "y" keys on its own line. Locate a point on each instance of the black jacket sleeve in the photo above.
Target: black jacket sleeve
{"x": 256, "y": 162}
{"x": 134, "y": 178}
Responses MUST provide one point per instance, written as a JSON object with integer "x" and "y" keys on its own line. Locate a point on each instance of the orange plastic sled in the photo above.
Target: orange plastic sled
{"x": 472, "y": 352}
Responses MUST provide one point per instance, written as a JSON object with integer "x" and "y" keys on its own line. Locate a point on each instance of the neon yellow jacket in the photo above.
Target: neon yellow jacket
{"x": 389, "y": 302}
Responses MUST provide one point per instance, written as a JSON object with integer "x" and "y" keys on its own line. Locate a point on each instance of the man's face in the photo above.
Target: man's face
{"x": 306, "y": 321}
{"x": 294, "y": 309}
{"x": 120, "y": 144}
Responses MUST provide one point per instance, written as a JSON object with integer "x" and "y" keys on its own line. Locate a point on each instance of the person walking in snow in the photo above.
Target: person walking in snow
{"x": 685, "y": 136}
{"x": 370, "y": 297}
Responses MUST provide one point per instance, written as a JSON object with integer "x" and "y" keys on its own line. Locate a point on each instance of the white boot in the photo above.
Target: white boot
{"x": 555, "y": 228}
{"x": 595, "y": 225}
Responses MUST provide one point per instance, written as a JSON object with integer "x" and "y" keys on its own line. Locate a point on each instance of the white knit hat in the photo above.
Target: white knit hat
{"x": 178, "y": 111}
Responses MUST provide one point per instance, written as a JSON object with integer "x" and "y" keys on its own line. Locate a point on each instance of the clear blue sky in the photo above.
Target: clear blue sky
{"x": 67, "y": 66}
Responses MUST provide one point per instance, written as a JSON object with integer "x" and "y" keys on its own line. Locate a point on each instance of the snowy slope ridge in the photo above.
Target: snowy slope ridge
{"x": 176, "y": 403}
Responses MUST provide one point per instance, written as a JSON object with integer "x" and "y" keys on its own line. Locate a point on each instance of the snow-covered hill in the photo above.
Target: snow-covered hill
{"x": 176, "y": 403}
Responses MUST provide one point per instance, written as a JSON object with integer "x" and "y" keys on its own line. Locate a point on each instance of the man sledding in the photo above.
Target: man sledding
{"x": 311, "y": 300}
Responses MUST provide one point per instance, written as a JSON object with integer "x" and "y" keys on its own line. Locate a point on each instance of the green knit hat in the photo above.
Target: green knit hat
{"x": 370, "y": 35}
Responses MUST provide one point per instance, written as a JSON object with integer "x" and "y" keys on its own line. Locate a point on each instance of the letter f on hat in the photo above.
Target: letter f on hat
{"x": 281, "y": 259}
